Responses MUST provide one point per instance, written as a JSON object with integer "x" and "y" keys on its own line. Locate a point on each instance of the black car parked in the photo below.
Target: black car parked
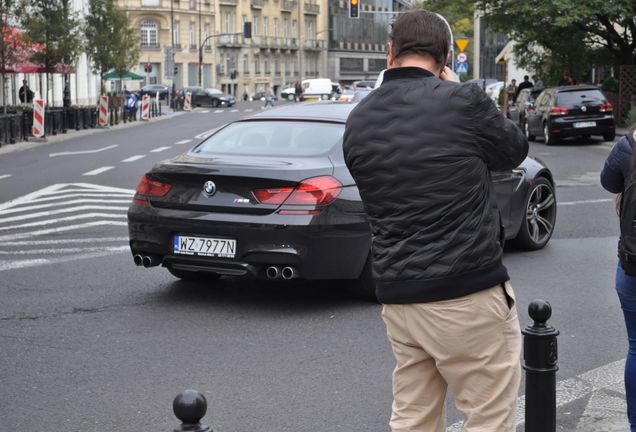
{"x": 153, "y": 89}
{"x": 270, "y": 196}
{"x": 568, "y": 111}
{"x": 209, "y": 97}
{"x": 517, "y": 110}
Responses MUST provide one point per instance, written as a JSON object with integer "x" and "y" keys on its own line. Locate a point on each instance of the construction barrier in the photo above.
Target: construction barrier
{"x": 187, "y": 104}
{"x": 38, "y": 118}
{"x": 145, "y": 107}
{"x": 103, "y": 111}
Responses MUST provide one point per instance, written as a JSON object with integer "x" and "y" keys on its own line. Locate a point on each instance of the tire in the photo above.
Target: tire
{"x": 363, "y": 288}
{"x": 539, "y": 216}
{"x": 526, "y": 130}
{"x": 194, "y": 276}
{"x": 548, "y": 138}
{"x": 609, "y": 136}
{"x": 290, "y": 97}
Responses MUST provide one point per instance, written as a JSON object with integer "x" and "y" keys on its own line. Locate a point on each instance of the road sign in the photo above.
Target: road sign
{"x": 462, "y": 57}
{"x": 461, "y": 68}
{"x": 462, "y": 44}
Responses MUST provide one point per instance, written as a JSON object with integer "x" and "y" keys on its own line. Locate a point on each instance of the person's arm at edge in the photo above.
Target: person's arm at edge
{"x": 502, "y": 143}
{"x": 612, "y": 177}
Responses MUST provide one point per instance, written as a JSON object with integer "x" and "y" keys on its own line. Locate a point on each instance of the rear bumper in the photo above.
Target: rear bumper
{"x": 317, "y": 250}
{"x": 564, "y": 127}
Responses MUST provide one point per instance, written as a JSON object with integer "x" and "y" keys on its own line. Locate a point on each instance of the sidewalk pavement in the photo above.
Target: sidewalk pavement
{"x": 166, "y": 111}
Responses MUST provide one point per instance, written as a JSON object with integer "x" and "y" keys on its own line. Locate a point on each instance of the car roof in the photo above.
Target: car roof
{"x": 326, "y": 111}
{"x": 576, "y": 87}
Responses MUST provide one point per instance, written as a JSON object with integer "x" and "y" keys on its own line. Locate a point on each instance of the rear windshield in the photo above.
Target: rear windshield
{"x": 578, "y": 97}
{"x": 274, "y": 138}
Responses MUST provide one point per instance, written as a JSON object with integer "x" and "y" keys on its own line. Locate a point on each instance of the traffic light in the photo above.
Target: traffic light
{"x": 176, "y": 70}
{"x": 354, "y": 8}
{"x": 148, "y": 68}
{"x": 247, "y": 30}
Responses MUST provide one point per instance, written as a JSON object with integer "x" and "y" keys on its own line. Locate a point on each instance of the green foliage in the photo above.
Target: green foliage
{"x": 631, "y": 117}
{"x": 111, "y": 42}
{"x": 566, "y": 34}
{"x": 610, "y": 85}
{"x": 458, "y": 13}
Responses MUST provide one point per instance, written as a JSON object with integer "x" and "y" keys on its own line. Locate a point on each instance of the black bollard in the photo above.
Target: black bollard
{"x": 540, "y": 358}
{"x": 190, "y": 407}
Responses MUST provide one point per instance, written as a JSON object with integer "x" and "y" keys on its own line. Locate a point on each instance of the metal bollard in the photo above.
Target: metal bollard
{"x": 190, "y": 407}
{"x": 540, "y": 358}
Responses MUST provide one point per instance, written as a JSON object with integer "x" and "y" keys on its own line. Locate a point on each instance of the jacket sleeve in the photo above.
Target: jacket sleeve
{"x": 617, "y": 167}
{"x": 501, "y": 142}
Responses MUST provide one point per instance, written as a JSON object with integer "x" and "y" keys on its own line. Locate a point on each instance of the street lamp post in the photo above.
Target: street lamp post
{"x": 174, "y": 89}
{"x": 200, "y": 47}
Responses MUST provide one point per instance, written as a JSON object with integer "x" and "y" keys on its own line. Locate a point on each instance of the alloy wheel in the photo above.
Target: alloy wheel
{"x": 541, "y": 213}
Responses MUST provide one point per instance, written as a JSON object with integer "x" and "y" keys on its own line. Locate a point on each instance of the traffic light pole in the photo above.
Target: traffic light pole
{"x": 247, "y": 33}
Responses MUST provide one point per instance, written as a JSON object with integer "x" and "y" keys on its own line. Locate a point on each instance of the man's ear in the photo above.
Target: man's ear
{"x": 390, "y": 55}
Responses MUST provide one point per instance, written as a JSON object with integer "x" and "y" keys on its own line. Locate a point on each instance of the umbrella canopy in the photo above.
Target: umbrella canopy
{"x": 128, "y": 75}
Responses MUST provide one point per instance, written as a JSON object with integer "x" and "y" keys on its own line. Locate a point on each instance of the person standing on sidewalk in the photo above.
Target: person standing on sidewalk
{"x": 420, "y": 149}
{"x": 614, "y": 177}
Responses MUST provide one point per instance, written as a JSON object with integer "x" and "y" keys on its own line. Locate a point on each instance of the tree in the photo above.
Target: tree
{"x": 566, "y": 34}
{"x": 458, "y": 13}
{"x": 7, "y": 47}
{"x": 54, "y": 25}
{"x": 111, "y": 42}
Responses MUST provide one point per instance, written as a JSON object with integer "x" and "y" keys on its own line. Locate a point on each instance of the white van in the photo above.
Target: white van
{"x": 319, "y": 88}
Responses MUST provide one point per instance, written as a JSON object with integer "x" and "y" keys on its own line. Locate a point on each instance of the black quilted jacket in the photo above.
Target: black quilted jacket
{"x": 420, "y": 150}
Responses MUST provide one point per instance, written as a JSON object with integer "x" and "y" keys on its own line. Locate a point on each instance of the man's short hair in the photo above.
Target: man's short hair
{"x": 526, "y": 77}
{"x": 419, "y": 31}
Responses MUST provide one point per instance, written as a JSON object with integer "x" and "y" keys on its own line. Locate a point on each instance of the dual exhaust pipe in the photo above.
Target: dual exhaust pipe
{"x": 287, "y": 273}
{"x": 146, "y": 260}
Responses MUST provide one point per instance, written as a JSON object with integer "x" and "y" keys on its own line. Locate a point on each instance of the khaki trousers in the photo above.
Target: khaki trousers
{"x": 471, "y": 344}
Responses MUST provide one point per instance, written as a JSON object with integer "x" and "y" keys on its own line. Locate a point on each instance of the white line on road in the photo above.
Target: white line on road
{"x": 81, "y": 152}
{"x": 185, "y": 141}
{"x": 56, "y": 204}
{"x": 249, "y": 110}
{"x": 98, "y": 171}
{"x": 9, "y": 237}
{"x": 235, "y": 110}
{"x": 64, "y": 219}
{"x": 4, "y": 176}
{"x": 14, "y": 265}
{"x": 160, "y": 149}
{"x": 63, "y": 241}
{"x": 60, "y": 211}
{"x": 204, "y": 111}
{"x": 65, "y": 250}
{"x": 594, "y": 201}
{"x": 134, "y": 158}
{"x": 207, "y": 133}
{"x": 71, "y": 195}
{"x": 218, "y": 111}
{"x": 11, "y": 265}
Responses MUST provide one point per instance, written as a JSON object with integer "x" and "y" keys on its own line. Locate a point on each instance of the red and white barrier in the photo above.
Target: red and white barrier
{"x": 103, "y": 111}
{"x": 38, "y": 118}
{"x": 145, "y": 107}
{"x": 187, "y": 103}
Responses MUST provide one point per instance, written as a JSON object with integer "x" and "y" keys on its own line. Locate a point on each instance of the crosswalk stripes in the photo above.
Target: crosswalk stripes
{"x": 63, "y": 222}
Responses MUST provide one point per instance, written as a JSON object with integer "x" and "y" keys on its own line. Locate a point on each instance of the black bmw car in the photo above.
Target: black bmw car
{"x": 270, "y": 196}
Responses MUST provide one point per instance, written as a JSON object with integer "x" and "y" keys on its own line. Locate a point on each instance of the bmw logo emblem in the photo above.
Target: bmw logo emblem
{"x": 209, "y": 188}
{"x": 583, "y": 108}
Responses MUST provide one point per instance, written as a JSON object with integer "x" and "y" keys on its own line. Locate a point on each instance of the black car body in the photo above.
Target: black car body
{"x": 272, "y": 197}
{"x": 208, "y": 97}
{"x": 517, "y": 110}
{"x": 152, "y": 90}
{"x": 568, "y": 111}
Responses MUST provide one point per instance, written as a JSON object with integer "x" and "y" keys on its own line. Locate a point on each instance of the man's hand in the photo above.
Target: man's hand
{"x": 448, "y": 75}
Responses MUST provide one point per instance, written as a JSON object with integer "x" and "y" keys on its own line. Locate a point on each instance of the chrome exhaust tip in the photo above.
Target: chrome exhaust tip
{"x": 138, "y": 259}
{"x": 150, "y": 261}
{"x": 272, "y": 272}
{"x": 289, "y": 273}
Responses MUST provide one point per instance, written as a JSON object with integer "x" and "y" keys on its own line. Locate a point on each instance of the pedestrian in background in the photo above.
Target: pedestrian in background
{"x": 538, "y": 83}
{"x": 24, "y": 93}
{"x": 424, "y": 179}
{"x": 614, "y": 178}
{"x": 269, "y": 99}
{"x": 512, "y": 91}
{"x": 525, "y": 84}
{"x": 566, "y": 79}
{"x": 298, "y": 91}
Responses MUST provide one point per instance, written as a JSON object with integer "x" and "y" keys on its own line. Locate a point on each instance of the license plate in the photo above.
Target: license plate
{"x": 585, "y": 124}
{"x": 204, "y": 246}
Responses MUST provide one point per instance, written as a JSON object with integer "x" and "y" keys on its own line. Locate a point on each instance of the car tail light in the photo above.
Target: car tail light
{"x": 149, "y": 188}
{"x": 559, "y": 111}
{"x": 316, "y": 191}
{"x": 606, "y": 107}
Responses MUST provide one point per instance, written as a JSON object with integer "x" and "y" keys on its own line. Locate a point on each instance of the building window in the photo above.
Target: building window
{"x": 149, "y": 34}
{"x": 193, "y": 4}
{"x": 193, "y": 41}
{"x": 275, "y": 27}
{"x": 376, "y": 65}
{"x": 265, "y": 26}
{"x": 206, "y": 33}
{"x": 227, "y": 22}
{"x": 150, "y": 2}
{"x": 177, "y": 34}
{"x": 246, "y": 64}
{"x": 295, "y": 29}
{"x": 257, "y": 65}
{"x": 255, "y": 25}
{"x": 351, "y": 64}
{"x": 266, "y": 66}
{"x": 311, "y": 29}
{"x": 285, "y": 27}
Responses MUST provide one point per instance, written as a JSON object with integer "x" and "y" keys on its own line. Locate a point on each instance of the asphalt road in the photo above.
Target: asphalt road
{"x": 89, "y": 342}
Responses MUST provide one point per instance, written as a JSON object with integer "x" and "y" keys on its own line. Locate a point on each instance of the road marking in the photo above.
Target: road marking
{"x": 4, "y": 176}
{"x": 81, "y": 152}
{"x": 57, "y": 204}
{"x": 204, "y": 111}
{"x": 60, "y": 211}
{"x": 65, "y": 250}
{"x": 98, "y": 171}
{"x": 594, "y": 201}
{"x": 12, "y": 265}
{"x": 134, "y": 158}
{"x": 185, "y": 141}
{"x": 64, "y": 219}
{"x": 160, "y": 149}
{"x": 249, "y": 110}
{"x": 234, "y": 110}
{"x": 572, "y": 389}
{"x": 64, "y": 241}
{"x": 9, "y": 237}
{"x": 204, "y": 135}
{"x": 218, "y": 111}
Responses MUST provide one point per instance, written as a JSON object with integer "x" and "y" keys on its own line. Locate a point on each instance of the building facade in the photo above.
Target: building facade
{"x": 288, "y": 42}
{"x": 357, "y": 47}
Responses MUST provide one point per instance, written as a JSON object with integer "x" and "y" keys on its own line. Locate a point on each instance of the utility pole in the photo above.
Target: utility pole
{"x": 174, "y": 88}
{"x": 300, "y": 43}
{"x": 201, "y": 47}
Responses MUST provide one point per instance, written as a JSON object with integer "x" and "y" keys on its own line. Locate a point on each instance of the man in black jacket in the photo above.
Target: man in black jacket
{"x": 420, "y": 148}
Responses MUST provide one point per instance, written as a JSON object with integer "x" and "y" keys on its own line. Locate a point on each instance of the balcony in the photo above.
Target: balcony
{"x": 257, "y": 4}
{"x": 314, "y": 44}
{"x": 312, "y": 9}
{"x": 228, "y": 2}
{"x": 288, "y": 5}
{"x": 231, "y": 41}
{"x": 150, "y": 47}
